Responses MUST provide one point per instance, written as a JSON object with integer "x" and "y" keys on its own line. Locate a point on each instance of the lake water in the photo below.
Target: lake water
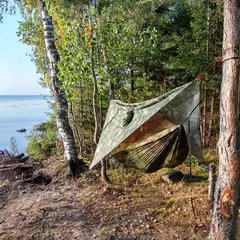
{"x": 17, "y": 112}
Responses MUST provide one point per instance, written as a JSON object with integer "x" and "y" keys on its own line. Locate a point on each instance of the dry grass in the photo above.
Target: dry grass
{"x": 136, "y": 206}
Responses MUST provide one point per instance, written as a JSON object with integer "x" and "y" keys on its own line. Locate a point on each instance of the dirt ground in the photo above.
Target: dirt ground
{"x": 134, "y": 206}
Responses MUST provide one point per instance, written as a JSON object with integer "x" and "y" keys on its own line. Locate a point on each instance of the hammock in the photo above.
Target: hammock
{"x": 168, "y": 148}
{"x": 153, "y": 134}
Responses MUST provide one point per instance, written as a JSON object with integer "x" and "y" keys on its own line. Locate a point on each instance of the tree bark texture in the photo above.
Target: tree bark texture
{"x": 212, "y": 182}
{"x": 65, "y": 131}
{"x": 204, "y": 118}
{"x": 225, "y": 209}
{"x": 210, "y": 128}
{"x": 95, "y": 93}
{"x": 95, "y": 107}
{"x": 76, "y": 133}
{"x": 96, "y": 117}
{"x": 132, "y": 87}
{"x": 89, "y": 119}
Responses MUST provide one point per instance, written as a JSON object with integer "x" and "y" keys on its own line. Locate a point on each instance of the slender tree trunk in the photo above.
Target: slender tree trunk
{"x": 210, "y": 129}
{"x": 100, "y": 111}
{"x": 204, "y": 137}
{"x": 95, "y": 110}
{"x": 96, "y": 119}
{"x": 94, "y": 3}
{"x": 89, "y": 119}
{"x": 225, "y": 209}
{"x": 132, "y": 87}
{"x": 204, "y": 118}
{"x": 111, "y": 96}
{"x": 212, "y": 182}
{"x": 75, "y": 129}
{"x": 95, "y": 92}
{"x": 65, "y": 131}
{"x": 80, "y": 120}
{"x": 81, "y": 101}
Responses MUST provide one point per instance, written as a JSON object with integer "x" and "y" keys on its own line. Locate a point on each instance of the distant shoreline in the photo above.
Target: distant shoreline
{"x": 21, "y": 112}
{"x": 24, "y": 95}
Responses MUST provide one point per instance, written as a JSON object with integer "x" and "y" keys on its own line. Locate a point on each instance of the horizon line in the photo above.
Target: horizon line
{"x": 39, "y": 94}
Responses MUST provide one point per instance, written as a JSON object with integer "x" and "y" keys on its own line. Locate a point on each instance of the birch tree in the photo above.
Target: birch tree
{"x": 65, "y": 131}
{"x": 225, "y": 209}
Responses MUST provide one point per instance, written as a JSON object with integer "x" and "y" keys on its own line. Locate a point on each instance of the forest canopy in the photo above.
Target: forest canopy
{"x": 132, "y": 50}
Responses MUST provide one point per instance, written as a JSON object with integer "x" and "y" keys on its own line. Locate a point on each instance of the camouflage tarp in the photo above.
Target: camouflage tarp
{"x": 129, "y": 124}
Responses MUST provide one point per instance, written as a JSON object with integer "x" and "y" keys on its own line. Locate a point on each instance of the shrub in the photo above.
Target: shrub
{"x": 43, "y": 144}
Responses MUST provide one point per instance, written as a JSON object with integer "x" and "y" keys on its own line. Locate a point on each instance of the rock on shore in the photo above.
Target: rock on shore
{"x": 39, "y": 127}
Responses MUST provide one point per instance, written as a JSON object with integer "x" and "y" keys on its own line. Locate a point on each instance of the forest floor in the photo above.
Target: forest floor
{"x": 135, "y": 206}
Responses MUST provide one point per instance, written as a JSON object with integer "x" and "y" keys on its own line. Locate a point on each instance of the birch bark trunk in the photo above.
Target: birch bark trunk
{"x": 65, "y": 131}
{"x": 225, "y": 209}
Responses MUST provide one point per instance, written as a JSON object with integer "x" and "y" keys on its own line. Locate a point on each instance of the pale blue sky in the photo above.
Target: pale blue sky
{"x": 17, "y": 72}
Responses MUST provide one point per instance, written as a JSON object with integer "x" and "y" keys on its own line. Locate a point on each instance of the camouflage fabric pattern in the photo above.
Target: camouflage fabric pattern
{"x": 180, "y": 106}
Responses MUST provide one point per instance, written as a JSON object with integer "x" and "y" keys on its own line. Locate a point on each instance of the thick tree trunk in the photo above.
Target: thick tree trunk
{"x": 225, "y": 209}
{"x": 65, "y": 131}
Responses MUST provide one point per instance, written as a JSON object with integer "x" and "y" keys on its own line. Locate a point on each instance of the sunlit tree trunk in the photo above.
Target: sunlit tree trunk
{"x": 96, "y": 117}
{"x": 95, "y": 108}
{"x": 65, "y": 131}
{"x": 95, "y": 93}
{"x": 76, "y": 133}
{"x": 225, "y": 209}
{"x": 89, "y": 118}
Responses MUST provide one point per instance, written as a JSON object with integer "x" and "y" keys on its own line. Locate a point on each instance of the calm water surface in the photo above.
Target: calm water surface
{"x": 22, "y": 111}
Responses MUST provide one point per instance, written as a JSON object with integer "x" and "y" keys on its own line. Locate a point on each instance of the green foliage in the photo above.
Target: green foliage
{"x": 201, "y": 44}
{"x": 140, "y": 48}
{"x": 43, "y": 144}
